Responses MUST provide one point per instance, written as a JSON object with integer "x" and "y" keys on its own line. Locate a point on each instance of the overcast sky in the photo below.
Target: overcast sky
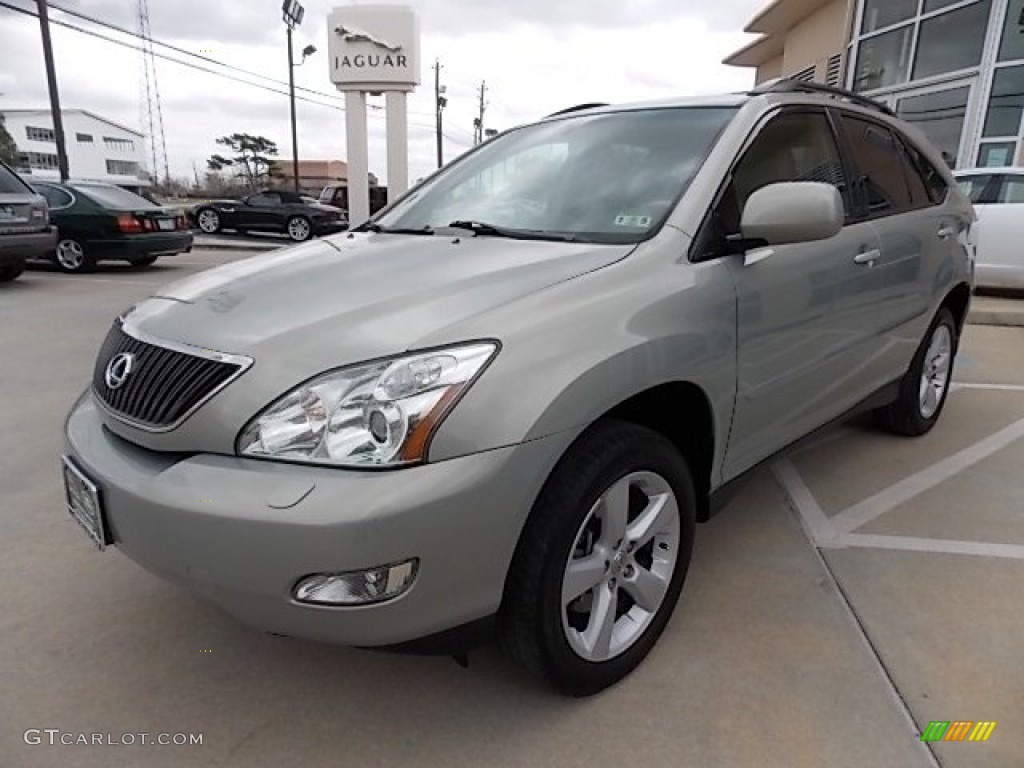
{"x": 537, "y": 56}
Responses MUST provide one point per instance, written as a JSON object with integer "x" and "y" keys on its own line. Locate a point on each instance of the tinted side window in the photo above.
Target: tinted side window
{"x": 265, "y": 200}
{"x": 797, "y": 146}
{"x": 934, "y": 181}
{"x": 975, "y": 187}
{"x": 1011, "y": 190}
{"x": 55, "y": 197}
{"x": 881, "y": 186}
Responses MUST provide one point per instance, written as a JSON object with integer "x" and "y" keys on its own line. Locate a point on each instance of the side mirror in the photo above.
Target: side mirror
{"x": 793, "y": 212}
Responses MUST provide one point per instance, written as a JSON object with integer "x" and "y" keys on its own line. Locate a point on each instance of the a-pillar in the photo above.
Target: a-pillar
{"x": 398, "y": 144}
{"x": 358, "y": 158}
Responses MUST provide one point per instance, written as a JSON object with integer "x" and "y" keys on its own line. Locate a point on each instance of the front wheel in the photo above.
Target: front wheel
{"x": 299, "y": 229}
{"x": 72, "y": 256}
{"x": 601, "y": 562}
{"x": 925, "y": 386}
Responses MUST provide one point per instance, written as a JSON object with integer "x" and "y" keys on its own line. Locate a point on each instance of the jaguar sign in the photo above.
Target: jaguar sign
{"x": 374, "y": 48}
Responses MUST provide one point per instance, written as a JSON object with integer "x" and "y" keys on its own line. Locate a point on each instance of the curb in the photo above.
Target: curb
{"x": 1013, "y": 318}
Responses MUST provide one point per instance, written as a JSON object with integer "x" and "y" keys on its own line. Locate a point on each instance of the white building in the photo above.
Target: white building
{"x": 98, "y": 149}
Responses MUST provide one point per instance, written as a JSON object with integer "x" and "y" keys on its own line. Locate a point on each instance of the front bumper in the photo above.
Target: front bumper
{"x": 243, "y": 531}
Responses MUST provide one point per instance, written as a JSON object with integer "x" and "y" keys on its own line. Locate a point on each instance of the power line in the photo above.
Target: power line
{"x": 93, "y": 33}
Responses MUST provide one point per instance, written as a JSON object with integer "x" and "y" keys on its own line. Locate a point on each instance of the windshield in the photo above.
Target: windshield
{"x": 115, "y": 197}
{"x": 610, "y": 178}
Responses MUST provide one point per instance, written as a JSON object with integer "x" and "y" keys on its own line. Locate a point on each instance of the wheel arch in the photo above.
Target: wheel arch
{"x": 958, "y": 301}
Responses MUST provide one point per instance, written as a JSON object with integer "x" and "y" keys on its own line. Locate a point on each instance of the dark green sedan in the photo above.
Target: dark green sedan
{"x": 102, "y": 222}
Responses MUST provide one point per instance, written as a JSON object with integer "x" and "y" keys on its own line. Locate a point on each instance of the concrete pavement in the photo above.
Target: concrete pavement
{"x": 795, "y": 643}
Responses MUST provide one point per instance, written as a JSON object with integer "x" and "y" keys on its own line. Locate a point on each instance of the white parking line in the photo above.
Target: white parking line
{"x": 942, "y": 546}
{"x": 865, "y": 511}
{"x": 819, "y": 528}
{"x": 1000, "y": 387}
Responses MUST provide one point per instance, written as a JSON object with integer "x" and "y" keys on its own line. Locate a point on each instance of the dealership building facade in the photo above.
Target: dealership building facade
{"x": 955, "y": 68}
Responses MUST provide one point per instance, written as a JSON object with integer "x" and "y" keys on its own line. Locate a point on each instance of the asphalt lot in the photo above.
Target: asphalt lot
{"x": 850, "y": 594}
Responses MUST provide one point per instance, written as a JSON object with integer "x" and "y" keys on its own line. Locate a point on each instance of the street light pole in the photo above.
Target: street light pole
{"x": 292, "y": 13}
{"x": 51, "y": 81}
{"x": 291, "y": 98}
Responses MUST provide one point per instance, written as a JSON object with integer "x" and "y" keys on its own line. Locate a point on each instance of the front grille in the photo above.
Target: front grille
{"x": 164, "y": 385}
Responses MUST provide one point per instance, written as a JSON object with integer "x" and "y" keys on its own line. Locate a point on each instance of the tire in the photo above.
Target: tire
{"x": 71, "y": 256}
{"x": 925, "y": 386}
{"x": 299, "y": 229}
{"x": 146, "y": 262}
{"x": 208, "y": 221}
{"x": 11, "y": 272}
{"x": 558, "y": 640}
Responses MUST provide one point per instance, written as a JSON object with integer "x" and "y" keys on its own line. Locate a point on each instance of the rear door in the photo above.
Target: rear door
{"x": 803, "y": 324}
{"x": 898, "y": 191}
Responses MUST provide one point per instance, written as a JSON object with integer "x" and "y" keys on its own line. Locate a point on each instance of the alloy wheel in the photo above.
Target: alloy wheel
{"x": 209, "y": 221}
{"x": 298, "y": 229}
{"x": 935, "y": 372}
{"x": 70, "y": 255}
{"x": 621, "y": 566}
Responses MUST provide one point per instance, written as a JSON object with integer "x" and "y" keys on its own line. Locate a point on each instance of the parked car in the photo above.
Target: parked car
{"x": 271, "y": 211}
{"x": 25, "y": 230}
{"x": 998, "y": 197}
{"x": 337, "y": 195}
{"x": 102, "y": 222}
{"x": 505, "y": 402}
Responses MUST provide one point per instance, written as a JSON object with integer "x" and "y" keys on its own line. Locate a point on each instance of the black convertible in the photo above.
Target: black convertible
{"x": 270, "y": 211}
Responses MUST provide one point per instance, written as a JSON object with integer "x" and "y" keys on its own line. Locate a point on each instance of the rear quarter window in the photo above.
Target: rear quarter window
{"x": 115, "y": 198}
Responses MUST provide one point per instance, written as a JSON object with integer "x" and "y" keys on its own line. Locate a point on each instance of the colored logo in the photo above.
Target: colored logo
{"x": 958, "y": 730}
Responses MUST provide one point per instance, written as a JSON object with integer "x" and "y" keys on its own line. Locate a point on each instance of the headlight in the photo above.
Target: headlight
{"x": 373, "y": 415}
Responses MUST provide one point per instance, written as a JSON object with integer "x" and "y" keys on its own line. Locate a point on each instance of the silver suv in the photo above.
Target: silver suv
{"x": 506, "y": 400}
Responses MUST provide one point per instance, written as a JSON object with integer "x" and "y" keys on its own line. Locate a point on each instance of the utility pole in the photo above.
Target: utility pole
{"x": 51, "y": 81}
{"x": 478, "y": 123}
{"x": 440, "y": 102}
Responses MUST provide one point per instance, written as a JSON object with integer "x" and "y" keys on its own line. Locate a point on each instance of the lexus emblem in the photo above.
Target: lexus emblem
{"x": 118, "y": 369}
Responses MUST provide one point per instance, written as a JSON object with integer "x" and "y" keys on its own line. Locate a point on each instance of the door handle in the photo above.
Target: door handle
{"x": 947, "y": 232}
{"x": 868, "y": 257}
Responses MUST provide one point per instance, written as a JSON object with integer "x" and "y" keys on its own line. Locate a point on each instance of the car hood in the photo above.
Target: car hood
{"x": 355, "y": 297}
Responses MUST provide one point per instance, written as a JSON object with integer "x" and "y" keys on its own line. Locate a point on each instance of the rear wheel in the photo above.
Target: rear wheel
{"x": 72, "y": 256}
{"x": 601, "y": 562}
{"x": 11, "y": 272}
{"x": 208, "y": 221}
{"x": 299, "y": 229}
{"x": 925, "y": 386}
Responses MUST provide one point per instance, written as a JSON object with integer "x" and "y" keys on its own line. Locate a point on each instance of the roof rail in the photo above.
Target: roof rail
{"x": 578, "y": 107}
{"x": 788, "y": 85}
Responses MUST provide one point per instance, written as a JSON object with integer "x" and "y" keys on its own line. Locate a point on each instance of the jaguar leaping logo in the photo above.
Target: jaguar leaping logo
{"x": 355, "y": 35}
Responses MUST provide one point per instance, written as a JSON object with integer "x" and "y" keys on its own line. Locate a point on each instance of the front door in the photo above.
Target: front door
{"x": 804, "y": 331}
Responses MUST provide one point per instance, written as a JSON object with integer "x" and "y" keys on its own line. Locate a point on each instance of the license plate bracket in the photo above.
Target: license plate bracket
{"x": 84, "y": 503}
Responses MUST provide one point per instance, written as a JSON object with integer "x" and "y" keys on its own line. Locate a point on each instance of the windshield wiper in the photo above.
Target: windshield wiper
{"x": 483, "y": 228}
{"x": 426, "y": 229}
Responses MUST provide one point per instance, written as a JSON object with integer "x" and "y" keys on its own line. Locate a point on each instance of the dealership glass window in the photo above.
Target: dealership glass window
{"x": 112, "y": 142}
{"x": 37, "y": 160}
{"x": 996, "y": 154}
{"x": 934, "y": 5}
{"x": 1012, "y": 45}
{"x": 952, "y": 41}
{"x": 1006, "y": 104}
{"x": 940, "y": 115}
{"x": 83, "y": 138}
{"x": 883, "y": 60}
{"x": 885, "y": 13}
{"x": 122, "y": 168}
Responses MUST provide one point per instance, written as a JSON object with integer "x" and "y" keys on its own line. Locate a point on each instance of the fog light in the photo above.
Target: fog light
{"x": 357, "y": 587}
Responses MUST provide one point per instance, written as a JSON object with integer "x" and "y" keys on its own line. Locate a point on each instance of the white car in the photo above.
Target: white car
{"x": 998, "y": 197}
